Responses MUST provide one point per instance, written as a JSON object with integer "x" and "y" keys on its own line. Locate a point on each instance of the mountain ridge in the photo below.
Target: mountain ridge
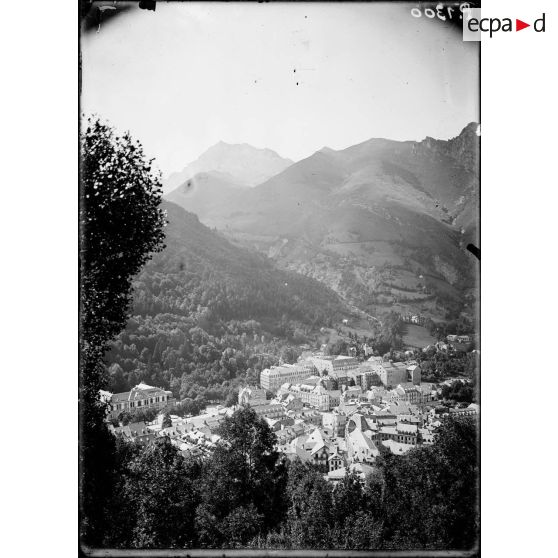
{"x": 369, "y": 221}
{"x": 200, "y": 269}
{"x": 241, "y": 163}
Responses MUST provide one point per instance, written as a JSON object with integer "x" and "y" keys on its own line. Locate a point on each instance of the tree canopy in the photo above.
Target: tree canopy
{"x": 245, "y": 495}
{"x": 120, "y": 225}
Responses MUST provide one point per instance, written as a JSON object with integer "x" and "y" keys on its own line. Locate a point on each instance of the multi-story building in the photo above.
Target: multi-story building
{"x": 335, "y": 460}
{"x": 472, "y": 409}
{"x": 360, "y": 446}
{"x": 336, "y": 366}
{"x": 411, "y": 393}
{"x": 140, "y": 397}
{"x": 273, "y": 378}
{"x": 316, "y": 449}
{"x": 458, "y": 338}
{"x": 312, "y": 392}
{"x": 272, "y": 411}
{"x": 394, "y": 373}
{"x": 375, "y": 360}
{"x": 365, "y": 376}
{"x": 403, "y": 433}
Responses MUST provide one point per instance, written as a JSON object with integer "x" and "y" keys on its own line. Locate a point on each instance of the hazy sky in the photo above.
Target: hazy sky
{"x": 188, "y": 75}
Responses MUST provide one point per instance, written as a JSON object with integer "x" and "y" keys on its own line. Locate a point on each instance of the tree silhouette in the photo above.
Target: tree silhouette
{"x": 121, "y": 224}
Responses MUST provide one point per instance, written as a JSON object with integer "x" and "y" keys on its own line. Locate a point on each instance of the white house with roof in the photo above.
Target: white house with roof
{"x": 139, "y": 397}
{"x": 317, "y": 449}
{"x": 359, "y": 439}
{"x": 313, "y": 392}
{"x": 360, "y": 447}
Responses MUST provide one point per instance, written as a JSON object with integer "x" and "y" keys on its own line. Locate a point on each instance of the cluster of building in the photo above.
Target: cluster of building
{"x": 272, "y": 378}
{"x": 333, "y": 411}
{"x": 193, "y": 436}
{"x": 348, "y": 431}
{"x": 340, "y": 414}
{"x": 319, "y": 381}
{"x": 452, "y": 344}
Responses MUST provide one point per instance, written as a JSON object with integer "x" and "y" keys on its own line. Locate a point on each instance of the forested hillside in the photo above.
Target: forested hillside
{"x": 383, "y": 223}
{"x": 201, "y": 272}
{"x": 206, "y": 311}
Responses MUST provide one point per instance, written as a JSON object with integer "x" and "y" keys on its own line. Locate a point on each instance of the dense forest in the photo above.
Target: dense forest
{"x": 173, "y": 352}
{"x": 247, "y": 496}
{"x": 206, "y": 312}
{"x": 201, "y": 272}
{"x": 440, "y": 366}
{"x": 209, "y": 316}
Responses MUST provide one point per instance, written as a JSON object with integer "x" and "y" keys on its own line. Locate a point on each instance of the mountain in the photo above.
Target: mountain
{"x": 200, "y": 272}
{"x": 240, "y": 164}
{"x": 384, "y": 223}
{"x": 207, "y": 194}
{"x": 208, "y": 316}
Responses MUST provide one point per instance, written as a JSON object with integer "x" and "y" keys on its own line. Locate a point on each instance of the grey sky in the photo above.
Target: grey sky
{"x": 188, "y": 75}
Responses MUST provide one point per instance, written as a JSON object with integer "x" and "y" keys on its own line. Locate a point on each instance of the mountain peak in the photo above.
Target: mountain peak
{"x": 471, "y": 128}
{"x": 464, "y": 147}
{"x": 243, "y": 163}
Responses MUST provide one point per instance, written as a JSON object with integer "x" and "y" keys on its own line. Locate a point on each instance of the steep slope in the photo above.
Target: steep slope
{"x": 240, "y": 164}
{"x": 206, "y": 194}
{"x": 202, "y": 272}
{"x": 383, "y": 222}
{"x": 427, "y": 177}
{"x": 208, "y": 316}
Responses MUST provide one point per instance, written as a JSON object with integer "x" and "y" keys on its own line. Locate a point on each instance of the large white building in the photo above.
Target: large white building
{"x": 273, "y": 378}
{"x": 313, "y": 392}
{"x": 138, "y": 398}
{"x": 394, "y": 373}
{"x": 336, "y": 366}
{"x": 359, "y": 438}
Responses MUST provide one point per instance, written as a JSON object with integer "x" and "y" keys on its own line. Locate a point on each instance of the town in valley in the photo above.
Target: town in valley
{"x": 336, "y": 412}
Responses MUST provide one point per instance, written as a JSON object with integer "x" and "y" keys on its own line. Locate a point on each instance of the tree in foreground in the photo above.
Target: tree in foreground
{"x": 167, "y": 421}
{"x": 428, "y": 498}
{"x": 242, "y": 485}
{"x": 160, "y": 497}
{"x": 121, "y": 225}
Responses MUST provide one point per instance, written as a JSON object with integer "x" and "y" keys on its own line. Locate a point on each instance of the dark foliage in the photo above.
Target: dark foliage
{"x": 460, "y": 392}
{"x": 241, "y": 487}
{"x": 245, "y": 496}
{"x": 120, "y": 225}
{"x": 437, "y": 366}
{"x": 207, "y": 313}
{"x": 172, "y": 352}
{"x": 206, "y": 320}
